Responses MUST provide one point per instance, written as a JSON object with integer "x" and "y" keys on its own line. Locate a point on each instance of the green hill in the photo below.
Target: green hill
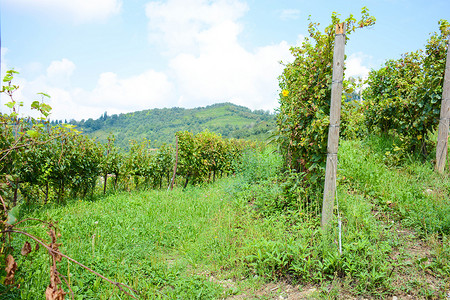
{"x": 160, "y": 125}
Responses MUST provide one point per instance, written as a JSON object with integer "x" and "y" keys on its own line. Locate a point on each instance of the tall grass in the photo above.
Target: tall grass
{"x": 250, "y": 229}
{"x": 418, "y": 196}
{"x": 138, "y": 238}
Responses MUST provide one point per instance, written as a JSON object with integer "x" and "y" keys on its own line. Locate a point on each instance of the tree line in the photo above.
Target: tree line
{"x": 160, "y": 125}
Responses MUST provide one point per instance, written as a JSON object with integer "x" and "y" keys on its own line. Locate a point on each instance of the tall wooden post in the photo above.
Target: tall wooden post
{"x": 170, "y": 187}
{"x": 333, "y": 130}
{"x": 442, "y": 141}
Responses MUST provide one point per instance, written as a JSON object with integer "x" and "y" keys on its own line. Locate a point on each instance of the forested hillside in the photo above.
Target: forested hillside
{"x": 160, "y": 125}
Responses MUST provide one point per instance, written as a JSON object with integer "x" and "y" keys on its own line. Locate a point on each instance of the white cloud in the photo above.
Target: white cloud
{"x": 289, "y": 14}
{"x": 177, "y": 24}
{"x": 112, "y": 94}
{"x": 207, "y": 62}
{"x": 147, "y": 90}
{"x": 59, "y": 72}
{"x": 78, "y": 11}
{"x": 355, "y": 67}
{"x": 233, "y": 74}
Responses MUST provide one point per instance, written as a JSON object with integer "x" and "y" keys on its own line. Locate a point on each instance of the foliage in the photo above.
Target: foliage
{"x": 353, "y": 120}
{"x": 163, "y": 161}
{"x": 23, "y": 138}
{"x": 176, "y": 245}
{"x": 68, "y": 164}
{"x": 36, "y": 157}
{"x": 404, "y": 96}
{"x": 188, "y": 162}
{"x": 259, "y": 166}
{"x": 232, "y": 236}
{"x": 17, "y": 134}
{"x": 151, "y": 164}
{"x": 160, "y": 125}
{"x": 318, "y": 263}
{"x": 206, "y": 154}
{"x": 42, "y": 163}
{"x": 373, "y": 202}
{"x": 112, "y": 162}
{"x": 303, "y": 118}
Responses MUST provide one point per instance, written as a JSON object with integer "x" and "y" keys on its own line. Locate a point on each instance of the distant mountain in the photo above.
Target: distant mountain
{"x": 160, "y": 125}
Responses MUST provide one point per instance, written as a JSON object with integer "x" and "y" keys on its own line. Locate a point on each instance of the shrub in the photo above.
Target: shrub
{"x": 303, "y": 119}
{"x": 404, "y": 96}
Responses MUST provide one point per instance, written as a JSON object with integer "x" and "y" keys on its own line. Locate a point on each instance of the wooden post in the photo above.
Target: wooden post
{"x": 333, "y": 130}
{"x": 442, "y": 141}
{"x": 170, "y": 187}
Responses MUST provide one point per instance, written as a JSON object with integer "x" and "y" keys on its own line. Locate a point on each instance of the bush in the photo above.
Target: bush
{"x": 353, "y": 121}
{"x": 404, "y": 96}
{"x": 303, "y": 118}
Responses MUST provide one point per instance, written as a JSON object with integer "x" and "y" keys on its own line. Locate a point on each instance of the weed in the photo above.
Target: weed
{"x": 252, "y": 228}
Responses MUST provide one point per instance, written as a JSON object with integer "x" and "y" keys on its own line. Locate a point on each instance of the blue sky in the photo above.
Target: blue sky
{"x": 117, "y": 56}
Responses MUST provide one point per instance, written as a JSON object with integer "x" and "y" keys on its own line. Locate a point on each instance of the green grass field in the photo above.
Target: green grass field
{"x": 239, "y": 238}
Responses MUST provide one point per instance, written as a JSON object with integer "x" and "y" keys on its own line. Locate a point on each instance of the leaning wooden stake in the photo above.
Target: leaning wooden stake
{"x": 333, "y": 131}
{"x": 442, "y": 141}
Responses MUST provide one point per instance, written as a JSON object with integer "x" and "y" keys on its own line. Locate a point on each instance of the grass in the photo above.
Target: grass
{"x": 414, "y": 193}
{"x": 148, "y": 240}
{"x": 248, "y": 235}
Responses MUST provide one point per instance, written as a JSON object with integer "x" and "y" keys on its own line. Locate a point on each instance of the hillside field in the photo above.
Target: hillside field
{"x": 238, "y": 239}
{"x": 160, "y": 125}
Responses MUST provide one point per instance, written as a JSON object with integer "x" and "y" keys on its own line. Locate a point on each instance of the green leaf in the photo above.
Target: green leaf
{"x": 32, "y": 133}
{"x": 35, "y": 105}
{"x": 11, "y": 218}
{"x": 7, "y": 78}
{"x": 13, "y": 215}
{"x": 44, "y": 94}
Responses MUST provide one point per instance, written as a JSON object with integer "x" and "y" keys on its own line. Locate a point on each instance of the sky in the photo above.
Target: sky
{"x": 118, "y": 56}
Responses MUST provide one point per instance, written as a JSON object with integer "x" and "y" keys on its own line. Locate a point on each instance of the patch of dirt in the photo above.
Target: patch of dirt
{"x": 279, "y": 290}
{"x": 412, "y": 246}
{"x": 412, "y": 278}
